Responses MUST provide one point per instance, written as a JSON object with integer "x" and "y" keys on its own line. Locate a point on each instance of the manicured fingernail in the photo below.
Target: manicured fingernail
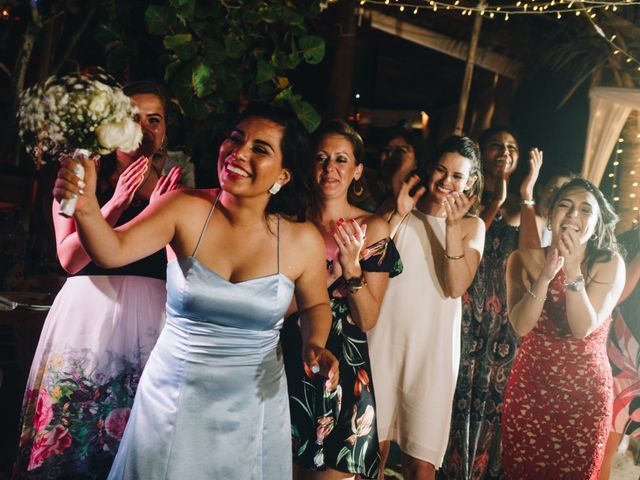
{"x": 315, "y": 368}
{"x": 327, "y": 385}
{"x": 81, "y": 192}
{"x": 81, "y": 184}
{"x": 352, "y": 220}
{"x": 330, "y": 373}
{"x": 340, "y": 220}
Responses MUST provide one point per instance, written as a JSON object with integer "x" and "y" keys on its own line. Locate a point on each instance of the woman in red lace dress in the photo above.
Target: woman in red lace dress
{"x": 557, "y": 403}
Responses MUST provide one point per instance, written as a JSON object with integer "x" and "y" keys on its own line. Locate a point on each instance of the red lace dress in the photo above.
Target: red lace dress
{"x": 557, "y": 405}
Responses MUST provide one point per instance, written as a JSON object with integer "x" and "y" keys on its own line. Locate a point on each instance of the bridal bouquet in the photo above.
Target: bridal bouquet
{"x": 84, "y": 114}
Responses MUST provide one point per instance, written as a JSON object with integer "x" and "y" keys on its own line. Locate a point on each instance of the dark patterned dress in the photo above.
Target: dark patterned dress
{"x": 487, "y": 350}
{"x": 557, "y": 405}
{"x": 92, "y": 349}
{"x": 337, "y": 429}
{"x": 623, "y": 348}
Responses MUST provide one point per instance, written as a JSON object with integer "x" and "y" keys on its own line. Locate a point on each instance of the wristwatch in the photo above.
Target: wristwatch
{"x": 356, "y": 283}
{"x": 576, "y": 285}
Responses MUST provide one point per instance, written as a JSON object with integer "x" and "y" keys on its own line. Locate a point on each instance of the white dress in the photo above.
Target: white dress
{"x": 415, "y": 346}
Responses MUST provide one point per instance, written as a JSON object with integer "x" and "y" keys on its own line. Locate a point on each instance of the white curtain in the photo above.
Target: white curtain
{"x": 609, "y": 109}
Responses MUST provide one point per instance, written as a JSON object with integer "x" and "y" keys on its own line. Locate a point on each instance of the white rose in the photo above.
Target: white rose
{"x": 125, "y": 136}
{"x": 98, "y": 103}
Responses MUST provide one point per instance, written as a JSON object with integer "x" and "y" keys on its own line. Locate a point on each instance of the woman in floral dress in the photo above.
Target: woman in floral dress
{"x": 101, "y": 327}
{"x": 334, "y": 434}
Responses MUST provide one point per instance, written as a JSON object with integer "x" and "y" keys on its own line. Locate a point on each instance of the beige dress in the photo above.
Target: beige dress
{"x": 415, "y": 346}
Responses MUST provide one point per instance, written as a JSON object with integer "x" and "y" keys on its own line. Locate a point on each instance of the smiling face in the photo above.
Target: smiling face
{"x": 498, "y": 149}
{"x": 151, "y": 117}
{"x": 576, "y": 210}
{"x": 451, "y": 174}
{"x": 335, "y": 166}
{"x": 250, "y": 159}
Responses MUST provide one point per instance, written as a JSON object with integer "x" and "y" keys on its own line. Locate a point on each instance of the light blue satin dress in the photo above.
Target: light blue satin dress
{"x": 212, "y": 401}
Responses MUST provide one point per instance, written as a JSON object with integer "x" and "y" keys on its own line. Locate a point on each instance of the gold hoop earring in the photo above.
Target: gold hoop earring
{"x": 357, "y": 188}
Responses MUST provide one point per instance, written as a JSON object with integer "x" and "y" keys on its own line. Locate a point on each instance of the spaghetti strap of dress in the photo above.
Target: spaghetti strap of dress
{"x": 204, "y": 227}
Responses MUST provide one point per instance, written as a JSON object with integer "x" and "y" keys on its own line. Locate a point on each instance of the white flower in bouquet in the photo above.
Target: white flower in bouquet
{"x": 78, "y": 111}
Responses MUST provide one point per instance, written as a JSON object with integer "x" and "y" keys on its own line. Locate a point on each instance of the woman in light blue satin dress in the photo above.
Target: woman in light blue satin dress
{"x": 212, "y": 402}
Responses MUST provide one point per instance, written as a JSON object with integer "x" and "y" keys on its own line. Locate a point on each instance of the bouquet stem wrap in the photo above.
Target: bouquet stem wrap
{"x": 68, "y": 205}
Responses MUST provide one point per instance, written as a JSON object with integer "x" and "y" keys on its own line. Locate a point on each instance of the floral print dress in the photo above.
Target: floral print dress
{"x": 337, "y": 429}
{"x": 92, "y": 349}
{"x": 488, "y": 349}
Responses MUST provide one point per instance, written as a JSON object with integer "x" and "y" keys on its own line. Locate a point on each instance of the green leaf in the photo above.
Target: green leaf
{"x": 305, "y": 112}
{"x": 289, "y": 16}
{"x": 182, "y": 86}
{"x": 187, "y": 9}
{"x": 265, "y": 71}
{"x": 171, "y": 69}
{"x": 234, "y": 46}
{"x": 313, "y": 48}
{"x": 232, "y": 87}
{"x": 214, "y": 52}
{"x": 158, "y": 19}
{"x": 280, "y": 60}
{"x": 293, "y": 60}
{"x": 172, "y": 41}
{"x": 203, "y": 80}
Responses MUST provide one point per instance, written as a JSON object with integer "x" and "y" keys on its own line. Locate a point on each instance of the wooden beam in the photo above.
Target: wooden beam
{"x": 468, "y": 74}
{"x": 486, "y": 59}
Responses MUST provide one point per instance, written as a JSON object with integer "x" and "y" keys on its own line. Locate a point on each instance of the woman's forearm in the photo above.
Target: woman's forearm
{"x": 526, "y": 312}
{"x": 315, "y": 324}
{"x": 71, "y": 254}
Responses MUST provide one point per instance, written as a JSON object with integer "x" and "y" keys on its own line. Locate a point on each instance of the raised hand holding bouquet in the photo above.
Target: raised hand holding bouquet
{"x": 87, "y": 114}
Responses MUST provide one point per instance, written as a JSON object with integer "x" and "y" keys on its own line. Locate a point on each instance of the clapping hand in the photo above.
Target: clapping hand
{"x": 405, "y": 202}
{"x": 350, "y": 238}
{"x": 456, "y": 206}
{"x": 166, "y": 183}
{"x": 570, "y": 249}
{"x": 535, "y": 164}
{"x": 128, "y": 183}
{"x": 553, "y": 262}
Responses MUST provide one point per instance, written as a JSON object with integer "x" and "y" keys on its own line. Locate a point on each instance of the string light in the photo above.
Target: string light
{"x": 556, "y": 7}
{"x": 614, "y": 174}
{"x": 617, "y": 49}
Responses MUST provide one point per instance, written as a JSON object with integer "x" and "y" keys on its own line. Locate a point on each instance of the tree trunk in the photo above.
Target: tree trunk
{"x": 341, "y": 80}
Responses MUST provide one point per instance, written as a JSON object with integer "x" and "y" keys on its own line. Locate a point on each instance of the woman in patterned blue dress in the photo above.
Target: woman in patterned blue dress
{"x": 334, "y": 434}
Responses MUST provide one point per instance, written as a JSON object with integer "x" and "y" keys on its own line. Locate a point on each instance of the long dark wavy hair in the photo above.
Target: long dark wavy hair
{"x": 468, "y": 149}
{"x": 602, "y": 245}
{"x": 294, "y": 198}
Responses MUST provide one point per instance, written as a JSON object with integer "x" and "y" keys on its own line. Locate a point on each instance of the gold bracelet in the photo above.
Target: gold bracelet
{"x": 535, "y": 297}
{"x": 453, "y": 257}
